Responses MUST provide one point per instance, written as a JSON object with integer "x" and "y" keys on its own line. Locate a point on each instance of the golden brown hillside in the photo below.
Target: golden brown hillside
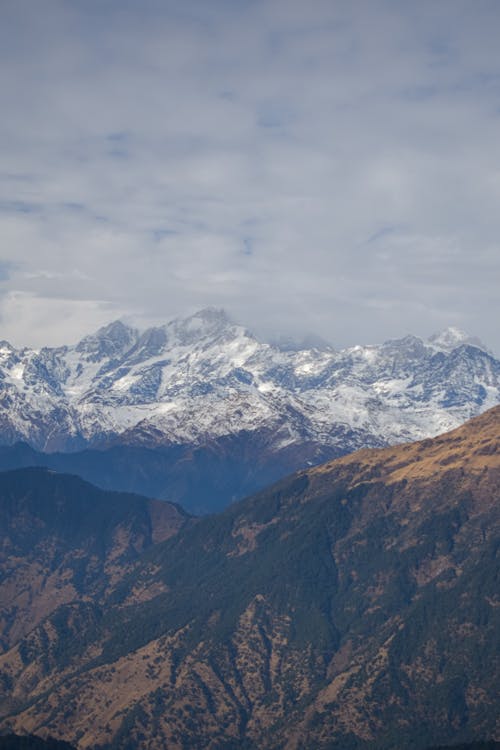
{"x": 470, "y": 448}
{"x": 354, "y": 606}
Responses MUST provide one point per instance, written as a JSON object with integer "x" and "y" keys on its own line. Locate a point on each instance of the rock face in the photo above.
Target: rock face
{"x": 201, "y": 413}
{"x": 203, "y": 378}
{"x": 353, "y": 605}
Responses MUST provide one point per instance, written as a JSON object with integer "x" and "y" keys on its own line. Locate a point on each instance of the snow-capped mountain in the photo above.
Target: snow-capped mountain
{"x": 203, "y": 377}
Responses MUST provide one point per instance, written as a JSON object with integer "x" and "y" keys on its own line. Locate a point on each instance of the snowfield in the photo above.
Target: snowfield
{"x": 204, "y": 377}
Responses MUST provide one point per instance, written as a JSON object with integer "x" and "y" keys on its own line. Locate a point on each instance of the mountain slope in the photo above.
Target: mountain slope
{"x": 64, "y": 541}
{"x": 202, "y": 378}
{"x": 201, "y": 413}
{"x": 354, "y": 605}
{"x": 29, "y": 742}
{"x": 202, "y": 478}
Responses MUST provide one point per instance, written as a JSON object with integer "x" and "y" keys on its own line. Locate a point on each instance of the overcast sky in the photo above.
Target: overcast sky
{"x": 328, "y": 167}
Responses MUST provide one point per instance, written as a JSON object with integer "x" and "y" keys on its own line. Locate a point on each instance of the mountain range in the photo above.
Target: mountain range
{"x": 352, "y": 606}
{"x": 199, "y": 411}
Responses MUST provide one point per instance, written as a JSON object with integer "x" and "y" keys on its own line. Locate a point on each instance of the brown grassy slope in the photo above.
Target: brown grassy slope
{"x": 473, "y": 447}
{"x": 355, "y": 605}
{"x": 63, "y": 540}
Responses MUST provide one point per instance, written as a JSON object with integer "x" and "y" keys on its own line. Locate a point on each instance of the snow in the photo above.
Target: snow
{"x": 219, "y": 380}
{"x": 17, "y": 372}
{"x": 393, "y": 388}
{"x": 266, "y": 387}
{"x": 453, "y": 337}
{"x": 165, "y": 408}
{"x": 124, "y": 383}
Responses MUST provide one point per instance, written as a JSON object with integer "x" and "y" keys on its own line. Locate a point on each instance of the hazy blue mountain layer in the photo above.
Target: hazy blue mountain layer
{"x": 202, "y": 413}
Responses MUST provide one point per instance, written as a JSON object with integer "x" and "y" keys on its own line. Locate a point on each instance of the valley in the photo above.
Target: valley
{"x": 202, "y": 413}
{"x": 351, "y": 605}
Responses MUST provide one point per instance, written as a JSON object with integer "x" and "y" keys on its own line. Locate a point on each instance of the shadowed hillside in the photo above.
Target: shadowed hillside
{"x": 64, "y": 542}
{"x": 31, "y": 742}
{"x": 353, "y": 606}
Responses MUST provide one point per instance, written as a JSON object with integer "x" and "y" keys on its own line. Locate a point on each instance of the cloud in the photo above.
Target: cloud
{"x": 34, "y": 320}
{"x": 329, "y": 167}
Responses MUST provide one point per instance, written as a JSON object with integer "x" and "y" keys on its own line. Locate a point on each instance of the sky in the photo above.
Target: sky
{"x": 321, "y": 167}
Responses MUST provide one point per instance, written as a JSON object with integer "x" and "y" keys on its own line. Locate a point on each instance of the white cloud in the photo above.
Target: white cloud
{"x": 30, "y": 320}
{"x": 330, "y": 167}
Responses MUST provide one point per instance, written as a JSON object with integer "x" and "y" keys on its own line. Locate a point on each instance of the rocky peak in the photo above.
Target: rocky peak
{"x": 411, "y": 347}
{"x": 452, "y": 337}
{"x": 109, "y": 341}
{"x": 209, "y": 323}
{"x": 204, "y": 376}
{"x": 151, "y": 343}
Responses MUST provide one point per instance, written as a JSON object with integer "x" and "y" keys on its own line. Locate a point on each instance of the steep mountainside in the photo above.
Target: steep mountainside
{"x": 353, "y": 606}
{"x": 203, "y": 378}
{"x": 201, "y": 413}
{"x": 202, "y": 478}
{"x": 30, "y": 742}
{"x": 64, "y": 541}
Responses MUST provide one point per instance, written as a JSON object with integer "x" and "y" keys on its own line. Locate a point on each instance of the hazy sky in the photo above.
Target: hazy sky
{"x": 331, "y": 167}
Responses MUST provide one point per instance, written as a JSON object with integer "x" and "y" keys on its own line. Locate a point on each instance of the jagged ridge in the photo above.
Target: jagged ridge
{"x": 203, "y": 377}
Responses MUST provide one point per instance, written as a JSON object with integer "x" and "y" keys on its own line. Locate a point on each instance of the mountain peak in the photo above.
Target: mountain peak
{"x": 452, "y": 337}
{"x": 212, "y": 314}
{"x": 110, "y": 340}
{"x": 208, "y": 322}
{"x": 208, "y": 319}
